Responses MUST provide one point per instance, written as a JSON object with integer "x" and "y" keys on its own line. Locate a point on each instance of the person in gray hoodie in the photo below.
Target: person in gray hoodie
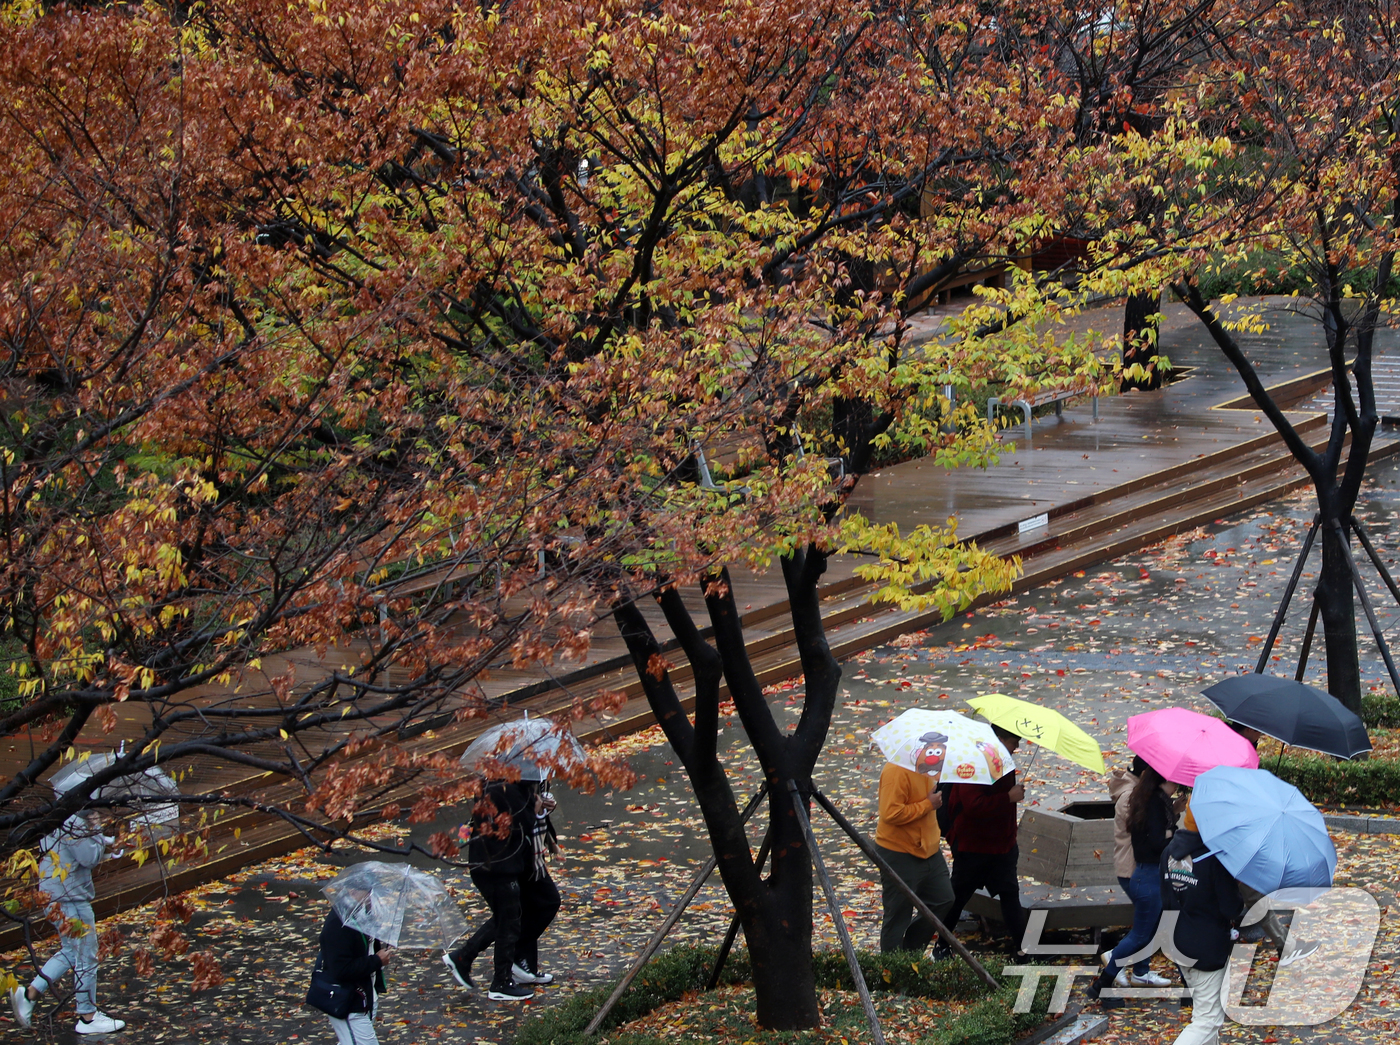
{"x": 65, "y": 868}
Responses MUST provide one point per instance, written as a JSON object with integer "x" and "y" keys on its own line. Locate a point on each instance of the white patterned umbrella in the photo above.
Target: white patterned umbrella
{"x": 949, "y": 747}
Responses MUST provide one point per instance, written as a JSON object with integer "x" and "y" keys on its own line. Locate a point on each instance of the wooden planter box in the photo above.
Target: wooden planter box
{"x": 1069, "y": 847}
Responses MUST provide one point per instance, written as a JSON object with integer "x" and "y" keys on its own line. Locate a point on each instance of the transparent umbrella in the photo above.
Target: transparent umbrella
{"x": 538, "y": 748}
{"x": 152, "y": 794}
{"x": 396, "y": 904}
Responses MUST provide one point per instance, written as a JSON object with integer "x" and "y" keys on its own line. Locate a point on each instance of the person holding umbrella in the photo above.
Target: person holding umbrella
{"x": 1151, "y": 822}
{"x": 1197, "y": 885}
{"x": 377, "y": 908}
{"x": 1298, "y": 715}
{"x": 353, "y": 960}
{"x": 908, "y": 838}
{"x": 939, "y": 746}
{"x": 1268, "y": 835}
{"x": 69, "y": 855}
{"x": 983, "y": 840}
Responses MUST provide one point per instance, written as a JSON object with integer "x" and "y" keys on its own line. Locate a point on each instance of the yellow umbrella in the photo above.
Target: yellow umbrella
{"x": 1041, "y": 725}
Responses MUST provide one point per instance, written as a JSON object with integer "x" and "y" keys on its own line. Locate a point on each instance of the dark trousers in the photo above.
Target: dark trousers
{"x": 522, "y": 911}
{"x": 997, "y": 873}
{"x": 900, "y": 928}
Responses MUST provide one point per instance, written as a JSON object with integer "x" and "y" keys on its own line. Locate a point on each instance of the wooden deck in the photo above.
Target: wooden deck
{"x": 1155, "y": 463}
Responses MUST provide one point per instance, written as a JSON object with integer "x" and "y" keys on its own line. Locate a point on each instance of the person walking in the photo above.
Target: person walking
{"x": 1207, "y": 897}
{"x": 907, "y": 836}
{"x": 501, "y": 852}
{"x": 983, "y": 841}
{"x": 1150, "y": 819}
{"x": 353, "y": 960}
{"x": 68, "y": 856}
{"x": 539, "y": 903}
{"x": 1271, "y": 926}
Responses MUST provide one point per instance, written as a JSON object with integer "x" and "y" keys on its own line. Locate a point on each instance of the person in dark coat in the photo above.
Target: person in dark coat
{"x": 505, "y": 870}
{"x": 982, "y": 837}
{"x": 1207, "y": 897}
{"x": 1151, "y": 822}
{"x": 351, "y": 959}
{"x": 1271, "y": 927}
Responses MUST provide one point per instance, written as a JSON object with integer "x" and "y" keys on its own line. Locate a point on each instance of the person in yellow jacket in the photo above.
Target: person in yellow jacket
{"x": 907, "y": 837}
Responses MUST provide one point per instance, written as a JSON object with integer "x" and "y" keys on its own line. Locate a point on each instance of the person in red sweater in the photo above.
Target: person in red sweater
{"x": 982, "y": 837}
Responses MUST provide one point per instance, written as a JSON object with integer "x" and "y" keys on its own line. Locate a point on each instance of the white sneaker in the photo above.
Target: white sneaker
{"x": 1106, "y": 957}
{"x": 523, "y": 975}
{"x": 1151, "y": 979}
{"x": 24, "y": 1008}
{"x": 100, "y": 1023}
{"x": 1121, "y": 980}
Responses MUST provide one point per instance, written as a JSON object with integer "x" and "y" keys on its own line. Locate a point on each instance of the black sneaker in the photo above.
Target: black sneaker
{"x": 1253, "y": 933}
{"x": 941, "y": 952}
{"x": 520, "y": 972}
{"x": 461, "y": 975}
{"x": 509, "y": 992}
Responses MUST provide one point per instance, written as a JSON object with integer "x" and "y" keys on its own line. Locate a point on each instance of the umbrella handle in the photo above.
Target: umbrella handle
{"x": 1026, "y": 769}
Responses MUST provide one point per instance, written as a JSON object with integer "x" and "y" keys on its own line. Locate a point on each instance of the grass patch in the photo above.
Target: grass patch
{"x": 991, "y": 1021}
{"x": 927, "y": 999}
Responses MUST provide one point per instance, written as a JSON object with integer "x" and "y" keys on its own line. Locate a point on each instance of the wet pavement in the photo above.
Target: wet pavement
{"x": 1142, "y": 631}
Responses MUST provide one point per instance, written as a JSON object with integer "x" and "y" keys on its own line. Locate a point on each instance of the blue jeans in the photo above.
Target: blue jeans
{"x": 1144, "y": 888}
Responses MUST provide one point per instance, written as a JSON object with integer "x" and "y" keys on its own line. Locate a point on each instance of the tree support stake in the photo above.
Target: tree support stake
{"x": 1370, "y": 610}
{"x": 1307, "y": 640}
{"x": 1365, "y": 539}
{"x": 851, "y": 959}
{"x": 866, "y": 847}
{"x": 733, "y": 931}
{"x": 666, "y": 926}
{"x": 1288, "y": 595}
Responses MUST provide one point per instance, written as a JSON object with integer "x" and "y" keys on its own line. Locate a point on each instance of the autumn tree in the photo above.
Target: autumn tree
{"x": 1282, "y": 155}
{"x": 251, "y": 518}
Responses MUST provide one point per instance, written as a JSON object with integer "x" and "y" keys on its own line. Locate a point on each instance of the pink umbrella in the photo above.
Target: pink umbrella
{"x": 1182, "y": 744}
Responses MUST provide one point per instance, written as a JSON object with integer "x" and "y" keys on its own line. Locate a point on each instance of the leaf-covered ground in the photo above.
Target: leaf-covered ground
{"x": 1143, "y": 631}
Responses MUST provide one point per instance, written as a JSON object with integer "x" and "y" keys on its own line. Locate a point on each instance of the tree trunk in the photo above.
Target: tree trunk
{"x": 780, "y": 938}
{"x": 1140, "y": 326}
{"x": 785, "y": 988}
{"x": 1337, "y": 608}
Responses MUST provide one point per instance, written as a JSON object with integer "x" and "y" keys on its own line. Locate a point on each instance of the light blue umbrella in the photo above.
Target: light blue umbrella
{"x": 1263, "y": 830}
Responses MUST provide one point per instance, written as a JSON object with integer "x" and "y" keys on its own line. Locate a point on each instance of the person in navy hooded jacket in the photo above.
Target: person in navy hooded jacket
{"x": 1207, "y": 900}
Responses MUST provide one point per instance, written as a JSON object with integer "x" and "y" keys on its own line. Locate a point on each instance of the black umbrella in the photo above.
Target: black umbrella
{"x": 1297, "y": 714}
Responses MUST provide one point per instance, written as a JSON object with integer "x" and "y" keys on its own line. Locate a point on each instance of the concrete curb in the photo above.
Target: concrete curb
{"x": 1364, "y": 825}
{"x": 1082, "y": 1027}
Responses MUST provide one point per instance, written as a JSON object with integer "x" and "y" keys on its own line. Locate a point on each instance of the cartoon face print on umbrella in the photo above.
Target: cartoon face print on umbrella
{"x": 929, "y": 758}
{"x": 1028, "y": 728}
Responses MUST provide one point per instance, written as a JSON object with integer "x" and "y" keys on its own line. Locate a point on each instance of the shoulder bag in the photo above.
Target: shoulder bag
{"x": 334, "y": 999}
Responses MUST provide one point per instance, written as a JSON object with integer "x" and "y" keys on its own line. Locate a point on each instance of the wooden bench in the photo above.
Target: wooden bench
{"x": 1058, "y": 396}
